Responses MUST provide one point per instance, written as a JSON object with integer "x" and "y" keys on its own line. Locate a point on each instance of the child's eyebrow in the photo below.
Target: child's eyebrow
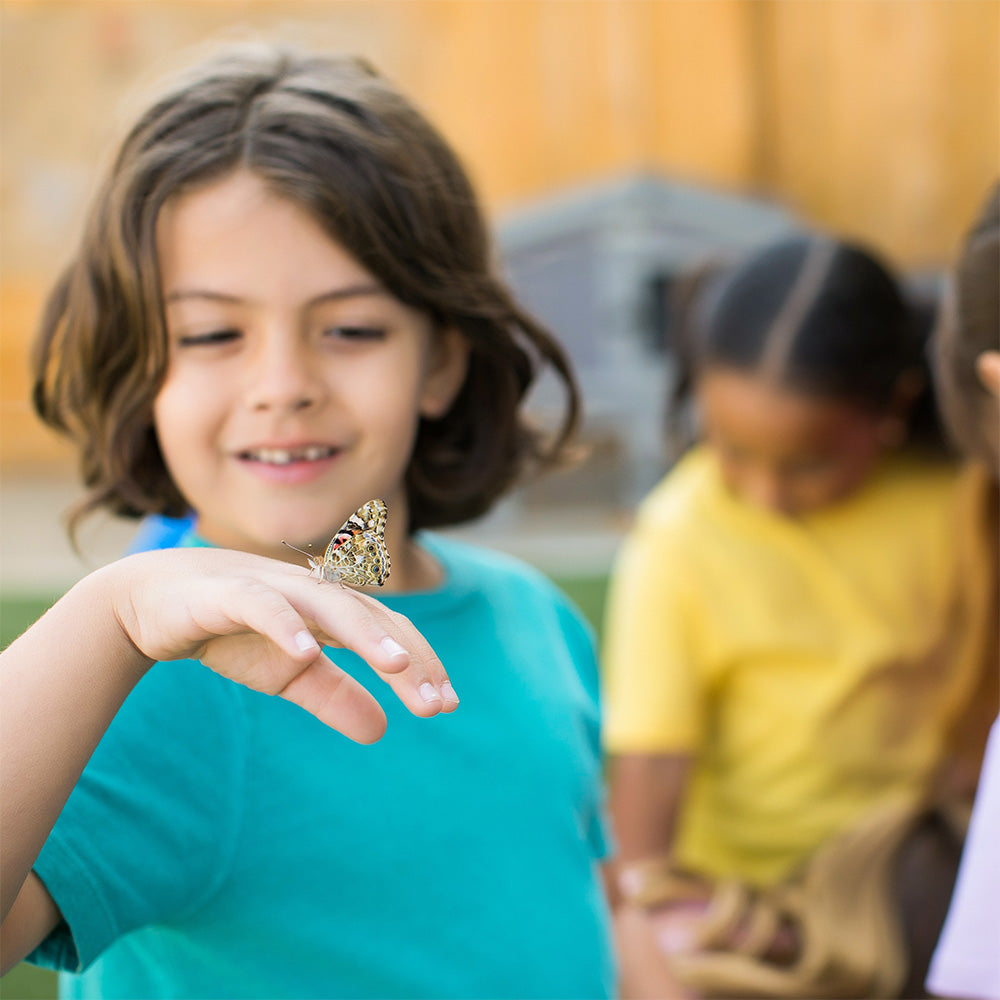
{"x": 349, "y": 292}
{"x": 336, "y": 294}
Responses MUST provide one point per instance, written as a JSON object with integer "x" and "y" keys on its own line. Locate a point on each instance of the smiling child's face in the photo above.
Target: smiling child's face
{"x": 785, "y": 451}
{"x": 295, "y": 382}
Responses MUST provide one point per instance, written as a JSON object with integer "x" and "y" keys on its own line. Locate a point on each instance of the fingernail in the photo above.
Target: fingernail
{"x": 306, "y": 641}
{"x": 448, "y": 692}
{"x": 429, "y": 693}
{"x": 392, "y": 647}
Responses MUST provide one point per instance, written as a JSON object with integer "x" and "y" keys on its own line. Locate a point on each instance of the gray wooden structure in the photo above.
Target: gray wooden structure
{"x": 596, "y": 264}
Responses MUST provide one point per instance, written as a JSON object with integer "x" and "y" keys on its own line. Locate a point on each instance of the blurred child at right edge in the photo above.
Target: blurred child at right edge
{"x": 967, "y": 359}
{"x": 795, "y": 625}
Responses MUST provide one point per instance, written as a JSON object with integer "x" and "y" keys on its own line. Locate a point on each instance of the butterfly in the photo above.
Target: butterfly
{"x": 356, "y": 554}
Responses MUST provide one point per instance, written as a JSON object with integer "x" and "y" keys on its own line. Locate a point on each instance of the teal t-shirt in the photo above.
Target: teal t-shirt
{"x": 224, "y": 843}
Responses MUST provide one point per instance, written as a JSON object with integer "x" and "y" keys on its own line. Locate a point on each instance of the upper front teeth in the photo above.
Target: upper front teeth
{"x": 283, "y": 456}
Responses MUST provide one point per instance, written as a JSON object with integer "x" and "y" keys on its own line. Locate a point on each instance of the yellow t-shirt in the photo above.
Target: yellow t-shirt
{"x": 812, "y": 666}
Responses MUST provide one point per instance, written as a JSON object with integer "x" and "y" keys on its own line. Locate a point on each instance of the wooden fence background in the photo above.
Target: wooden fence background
{"x": 877, "y": 118}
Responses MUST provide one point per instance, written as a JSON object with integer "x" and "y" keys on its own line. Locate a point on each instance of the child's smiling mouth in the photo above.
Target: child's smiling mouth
{"x": 289, "y": 465}
{"x": 288, "y": 456}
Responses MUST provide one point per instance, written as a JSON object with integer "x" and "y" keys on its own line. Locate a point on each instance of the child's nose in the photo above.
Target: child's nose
{"x": 284, "y": 378}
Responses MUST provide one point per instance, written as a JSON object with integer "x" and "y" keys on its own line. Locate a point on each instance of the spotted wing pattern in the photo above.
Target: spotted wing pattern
{"x": 357, "y": 554}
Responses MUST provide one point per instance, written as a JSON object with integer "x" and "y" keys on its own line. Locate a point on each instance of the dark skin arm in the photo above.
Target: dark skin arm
{"x": 645, "y": 796}
{"x": 646, "y": 791}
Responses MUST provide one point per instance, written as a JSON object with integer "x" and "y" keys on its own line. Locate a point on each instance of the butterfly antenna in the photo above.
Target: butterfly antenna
{"x": 308, "y": 555}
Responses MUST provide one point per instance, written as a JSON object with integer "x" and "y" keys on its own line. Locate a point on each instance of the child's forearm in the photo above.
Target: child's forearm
{"x": 63, "y": 681}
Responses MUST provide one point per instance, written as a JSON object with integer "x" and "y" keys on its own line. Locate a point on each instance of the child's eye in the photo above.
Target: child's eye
{"x": 211, "y": 337}
{"x": 355, "y": 333}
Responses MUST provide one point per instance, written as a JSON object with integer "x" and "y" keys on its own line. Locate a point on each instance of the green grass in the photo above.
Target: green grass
{"x": 25, "y": 982}
{"x": 589, "y": 593}
{"x": 18, "y": 612}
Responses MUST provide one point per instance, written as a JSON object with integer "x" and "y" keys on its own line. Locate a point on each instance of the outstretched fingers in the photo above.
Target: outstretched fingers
{"x": 337, "y": 700}
{"x": 298, "y": 615}
{"x": 268, "y": 645}
{"x": 392, "y": 646}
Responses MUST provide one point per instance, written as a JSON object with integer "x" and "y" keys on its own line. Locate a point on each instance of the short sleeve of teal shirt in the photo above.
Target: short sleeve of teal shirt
{"x": 224, "y": 843}
{"x": 147, "y": 832}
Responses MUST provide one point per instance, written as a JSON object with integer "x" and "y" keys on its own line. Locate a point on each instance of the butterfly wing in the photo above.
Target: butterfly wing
{"x": 362, "y": 561}
{"x": 357, "y": 553}
{"x": 372, "y": 517}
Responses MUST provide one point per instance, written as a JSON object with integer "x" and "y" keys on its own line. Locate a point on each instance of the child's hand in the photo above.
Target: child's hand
{"x": 257, "y": 621}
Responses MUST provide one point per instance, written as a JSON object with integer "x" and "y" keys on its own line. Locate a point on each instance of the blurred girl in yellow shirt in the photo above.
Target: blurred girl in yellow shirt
{"x": 795, "y": 624}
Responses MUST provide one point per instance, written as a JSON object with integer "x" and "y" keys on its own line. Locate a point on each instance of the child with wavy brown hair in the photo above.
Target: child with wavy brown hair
{"x": 284, "y": 305}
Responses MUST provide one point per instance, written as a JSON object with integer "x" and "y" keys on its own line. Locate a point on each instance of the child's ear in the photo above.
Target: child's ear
{"x": 446, "y": 370}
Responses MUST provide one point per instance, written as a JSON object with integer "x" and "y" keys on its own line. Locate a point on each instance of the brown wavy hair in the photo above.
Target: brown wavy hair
{"x": 338, "y": 139}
